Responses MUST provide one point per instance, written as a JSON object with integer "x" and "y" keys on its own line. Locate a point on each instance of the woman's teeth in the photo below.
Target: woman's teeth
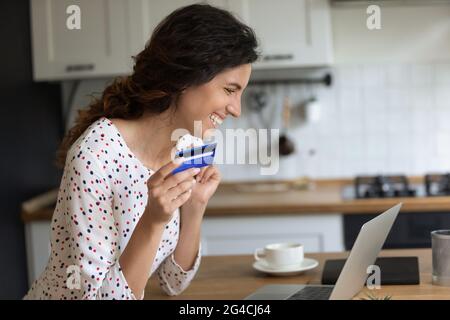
{"x": 217, "y": 121}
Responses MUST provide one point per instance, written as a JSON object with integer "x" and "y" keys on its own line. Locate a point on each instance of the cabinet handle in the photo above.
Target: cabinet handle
{"x": 278, "y": 57}
{"x": 80, "y": 67}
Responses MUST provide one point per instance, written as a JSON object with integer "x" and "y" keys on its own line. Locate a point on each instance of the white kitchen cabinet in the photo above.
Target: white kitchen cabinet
{"x": 291, "y": 33}
{"x": 148, "y": 13}
{"x": 243, "y": 234}
{"x": 100, "y": 47}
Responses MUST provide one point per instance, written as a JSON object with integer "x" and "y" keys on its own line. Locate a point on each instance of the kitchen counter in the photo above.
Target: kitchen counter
{"x": 320, "y": 196}
{"x": 277, "y": 197}
{"x": 232, "y": 277}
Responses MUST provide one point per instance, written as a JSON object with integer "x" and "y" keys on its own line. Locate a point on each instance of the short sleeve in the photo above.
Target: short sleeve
{"x": 94, "y": 236}
{"x": 172, "y": 278}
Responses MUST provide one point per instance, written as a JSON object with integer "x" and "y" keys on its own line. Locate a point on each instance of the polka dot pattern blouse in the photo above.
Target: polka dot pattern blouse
{"x": 101, "y": 198}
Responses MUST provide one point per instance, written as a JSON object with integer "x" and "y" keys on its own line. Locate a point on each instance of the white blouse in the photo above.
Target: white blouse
{"x": 101, "y": 198}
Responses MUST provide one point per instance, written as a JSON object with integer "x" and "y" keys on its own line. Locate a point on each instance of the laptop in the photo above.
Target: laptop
{"x": 353, "y": 276}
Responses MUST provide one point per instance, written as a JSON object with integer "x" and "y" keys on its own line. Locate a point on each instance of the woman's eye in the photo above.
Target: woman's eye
{"x": 229, "y": 91}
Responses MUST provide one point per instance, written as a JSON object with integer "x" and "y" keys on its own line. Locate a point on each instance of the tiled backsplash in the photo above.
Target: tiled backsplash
{"x": 374, "y": 119}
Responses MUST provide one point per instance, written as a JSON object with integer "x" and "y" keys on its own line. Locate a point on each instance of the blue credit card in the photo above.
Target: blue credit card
{"x": 196, "y": 157}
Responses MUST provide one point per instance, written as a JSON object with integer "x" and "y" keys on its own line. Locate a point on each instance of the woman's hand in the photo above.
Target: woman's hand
{"x": 168, "y": 192}
{"x": 207, "y": 181}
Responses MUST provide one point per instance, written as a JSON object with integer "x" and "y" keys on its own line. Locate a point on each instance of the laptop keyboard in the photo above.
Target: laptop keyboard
{"x": 312, "y": 293}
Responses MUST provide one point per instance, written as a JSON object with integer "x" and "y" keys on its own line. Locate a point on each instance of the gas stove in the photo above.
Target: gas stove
{"x": 383, "y": 187}
{"x": 394, "y": 186}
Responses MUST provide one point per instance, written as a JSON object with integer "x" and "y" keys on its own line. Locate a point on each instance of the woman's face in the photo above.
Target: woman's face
{"x": 214, "y": 101}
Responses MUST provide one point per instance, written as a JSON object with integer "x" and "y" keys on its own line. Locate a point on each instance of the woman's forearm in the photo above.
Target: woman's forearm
{"x": 137, "y": 258}
{"x": 190, "y": 231}
{"x": 139, "y": 254}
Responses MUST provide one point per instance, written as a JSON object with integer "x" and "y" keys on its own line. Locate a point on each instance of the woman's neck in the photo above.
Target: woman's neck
{"x": 149, "y": 138}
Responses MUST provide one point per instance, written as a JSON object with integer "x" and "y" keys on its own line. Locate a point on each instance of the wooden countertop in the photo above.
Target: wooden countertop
{"x": 232, "y": 277}
{"x": 320, "y": 196}
{"x": 276, "y": 197}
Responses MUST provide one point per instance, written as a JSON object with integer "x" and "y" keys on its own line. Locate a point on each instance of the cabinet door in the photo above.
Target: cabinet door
{"x": 243, "y": 234}
{"x": 290, "y": 32}
{"x": 146, "y": 14}
{"x": 99, "y": 48}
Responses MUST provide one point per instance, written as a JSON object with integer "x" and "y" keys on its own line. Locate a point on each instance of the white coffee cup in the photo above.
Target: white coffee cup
{"x": 281, "y": 255}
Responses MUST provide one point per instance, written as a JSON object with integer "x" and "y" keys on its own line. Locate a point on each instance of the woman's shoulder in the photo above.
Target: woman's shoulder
{"x": 99, "y": 139}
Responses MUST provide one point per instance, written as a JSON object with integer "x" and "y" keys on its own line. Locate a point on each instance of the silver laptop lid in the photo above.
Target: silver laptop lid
{"x": 365, "y": 251}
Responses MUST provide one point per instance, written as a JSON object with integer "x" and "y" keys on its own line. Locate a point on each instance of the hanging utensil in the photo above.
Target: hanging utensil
{"x": 257, "y": 103}
{"x": 286, "y": 146}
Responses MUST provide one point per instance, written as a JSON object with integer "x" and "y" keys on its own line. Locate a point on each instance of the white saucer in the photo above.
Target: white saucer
{"x": 307, "y": 264}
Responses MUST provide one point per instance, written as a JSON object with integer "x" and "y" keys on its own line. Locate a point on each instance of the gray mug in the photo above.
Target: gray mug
{"x": 440, "y": 243}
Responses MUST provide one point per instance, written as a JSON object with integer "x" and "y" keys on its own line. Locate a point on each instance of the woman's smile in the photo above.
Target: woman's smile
{"x": 216, "y": 120}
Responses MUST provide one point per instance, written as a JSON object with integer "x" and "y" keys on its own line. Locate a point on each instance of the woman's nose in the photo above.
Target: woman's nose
{"x": 234, "y": 110}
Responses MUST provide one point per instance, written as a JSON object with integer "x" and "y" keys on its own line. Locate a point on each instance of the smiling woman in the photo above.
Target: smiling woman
{"x": 121, "y": 215}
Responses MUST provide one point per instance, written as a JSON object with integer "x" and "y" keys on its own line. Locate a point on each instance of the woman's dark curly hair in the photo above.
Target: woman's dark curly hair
{"x": 188, "y": 48}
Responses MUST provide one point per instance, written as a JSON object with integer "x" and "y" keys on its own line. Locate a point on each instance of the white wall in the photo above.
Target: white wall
{"x": 375, "y": 119}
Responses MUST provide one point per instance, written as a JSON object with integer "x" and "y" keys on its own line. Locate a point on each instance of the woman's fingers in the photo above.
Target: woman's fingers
{"x": 212, "y": 171}
{"x": 159, "y": 176}
{"x": 179, "y": 189}
{"x": 200, "y": 175}
{"x": 182, "y": 198}
{"x": 179, "y": 177}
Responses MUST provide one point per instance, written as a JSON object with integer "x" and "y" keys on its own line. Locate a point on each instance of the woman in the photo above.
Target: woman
{"x": 120, "y": 214}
